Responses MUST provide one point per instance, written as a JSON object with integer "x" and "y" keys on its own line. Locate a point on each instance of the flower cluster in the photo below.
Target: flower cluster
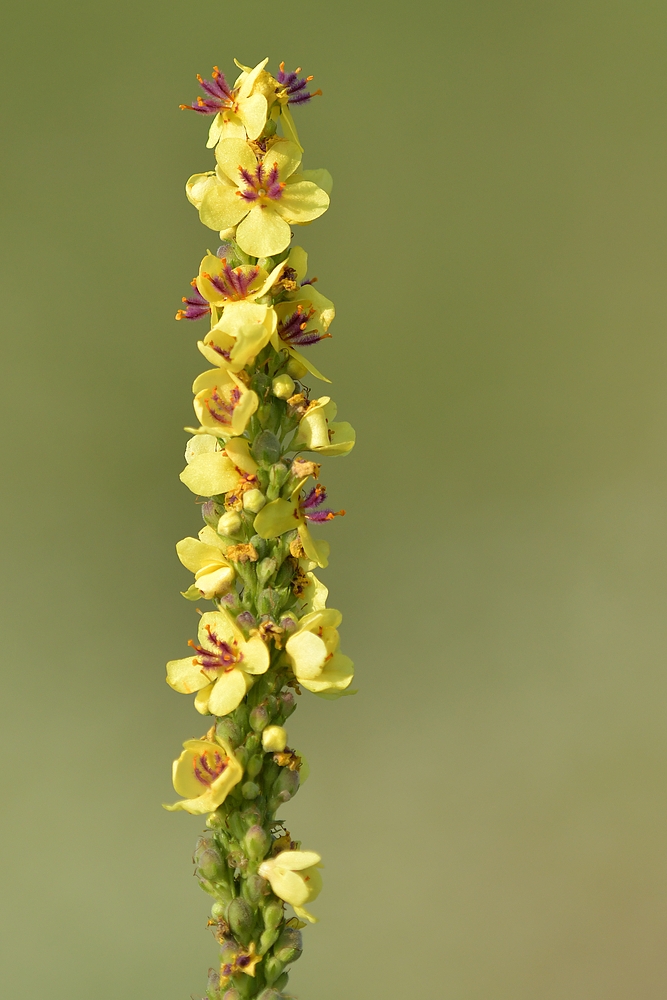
{"x": 253, "y": 462}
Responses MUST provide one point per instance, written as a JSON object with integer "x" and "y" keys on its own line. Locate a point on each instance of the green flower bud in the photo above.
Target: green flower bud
{"x": 255, "y": 889}
{"x": 255, "y": 765}
{"x": 278, "y": 473}
{"x": 232, "y": 994}
{"x": 273, "y": 914}
{"x": 241, "y": 919}
{"x": 265, "y": 570}
{"x": 213, "y": 984}
{"x": 252, "y": 743}
{"x": 287, "y": 703}
{"x": 261, "y": 384}
{"x": 210, "y": 864}
{"x": 226, "y": 729}
{"x": 257, "y": 843}
{"x": 272, "y": 967}
{"x": 266, "y": 448}
{"x": 281, "y": 981}
{"x": 253, "y": 500}
{"x": 259, "y": 718}
{"x": 286, "y": 782}
{"x": 210, "y": 513}
{"x": 250, "y": 790}
{"x": 251, "y": 815}
{"x": 296, "y": 369}
{"x": 289, "y": 945}
{"x": 218, "y": 911}
{"x": 270, "y": 601}
{"x": 229, "y": 524}
{"x": 283, "y": 386}
{"x": 267, "y": 939}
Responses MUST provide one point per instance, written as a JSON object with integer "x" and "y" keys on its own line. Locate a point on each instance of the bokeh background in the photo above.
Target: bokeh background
{"x": 491, "y": 806}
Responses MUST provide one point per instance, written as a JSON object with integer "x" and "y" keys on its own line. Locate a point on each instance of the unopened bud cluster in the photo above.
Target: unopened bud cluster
{"x": 253, "y": 461}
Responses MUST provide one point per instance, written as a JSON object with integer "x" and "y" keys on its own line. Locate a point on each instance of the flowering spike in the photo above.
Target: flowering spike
{"x": 268, "y": 634}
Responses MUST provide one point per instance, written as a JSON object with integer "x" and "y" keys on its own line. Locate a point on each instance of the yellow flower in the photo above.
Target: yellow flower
{"x": 205, "y": 774}
{"x": 222, "y": 403}
{"x": 262, "y": 197}
{"x": 224, "y": 668}
{"x": 206, "y": 559}
{"x": 317, "y": 432}
{"x": 211, "y": 469}
{"x": 238, "y": 112}
{"x": 242, "y": 960}
{"x": 294, "y": 877}
{"x": 313, "y": 653}
{"x": 281, "y": 515}
{"x": 244, "y": 329}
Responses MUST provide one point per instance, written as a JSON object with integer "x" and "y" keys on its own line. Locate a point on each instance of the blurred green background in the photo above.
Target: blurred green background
{"x": 491, "y": 806}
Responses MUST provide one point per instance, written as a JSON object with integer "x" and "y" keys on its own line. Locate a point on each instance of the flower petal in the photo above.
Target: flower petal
{"x": 308, "y": 654}
{"x": 228, "y": 692}
{"x": 210, "y": 474}
{"x": 234, "y": 155}
{"x": 285, "y": 155}
{"x": 253, "y": 112}
{"x": 185, "y": 675}
{"x": 220, "y": 207}
{"x": 263, "y": 233}
{"x": 302, "y": 201}
{"x": 255, "y": 656}
{"x": 275, "y": 518}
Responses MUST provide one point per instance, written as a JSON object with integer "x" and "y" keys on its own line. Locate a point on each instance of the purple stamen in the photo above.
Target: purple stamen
{"x": 293, "y": 328}
{"x": 197, "y": 306}
{"x": 315, "y": 498}
{"x": 295, "y": 86}
{"x": 319, "y": 516}
{"x": 233, "y": 284}
{"x": 260, "y": 185}
{"x": 203, "y": 770}
{"x": 220, "y": 96}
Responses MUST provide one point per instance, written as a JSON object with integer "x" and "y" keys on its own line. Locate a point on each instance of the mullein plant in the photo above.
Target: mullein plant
{"x": 253, "y": 463}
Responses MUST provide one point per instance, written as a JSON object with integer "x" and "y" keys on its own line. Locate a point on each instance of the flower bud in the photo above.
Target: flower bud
{"x": 259, "y": 718}
{"x": 229, "y": 524}
{"x": 287, "y": 704}
{"x": 269, "y": 602}
{"x": 255, "y": 889}
{"x": 280, "y": 984}
{"x": 213, "y": 985}
{"x": 274, "y": 738}
{"x": 272, "y": 969}
{"x": 273, "y": 914}
{"x": 250, "y": 790}
{"x": 295, "y": 368}
{"x": 289, "y": 945}
{"x": 218, "y": 911}
{"x": 241, "y": 919}
{"x": 227, "y": 730}
{"x": 210, "y": 864}
{"x": 266, "y": 448}
{"x": 286, "y": 784}
{"x": 257, "y": 842}
{"x": 232, "y": 994}
{"x": 253, "y": 500}
{"x": 266, "y": 940}
{"x": 265, "y": 570}
{"x": 209, "y": 513}
{"x": 255, "y": 765}
{"x": 252, "y": 743}
{"x": 283, "y": 386}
